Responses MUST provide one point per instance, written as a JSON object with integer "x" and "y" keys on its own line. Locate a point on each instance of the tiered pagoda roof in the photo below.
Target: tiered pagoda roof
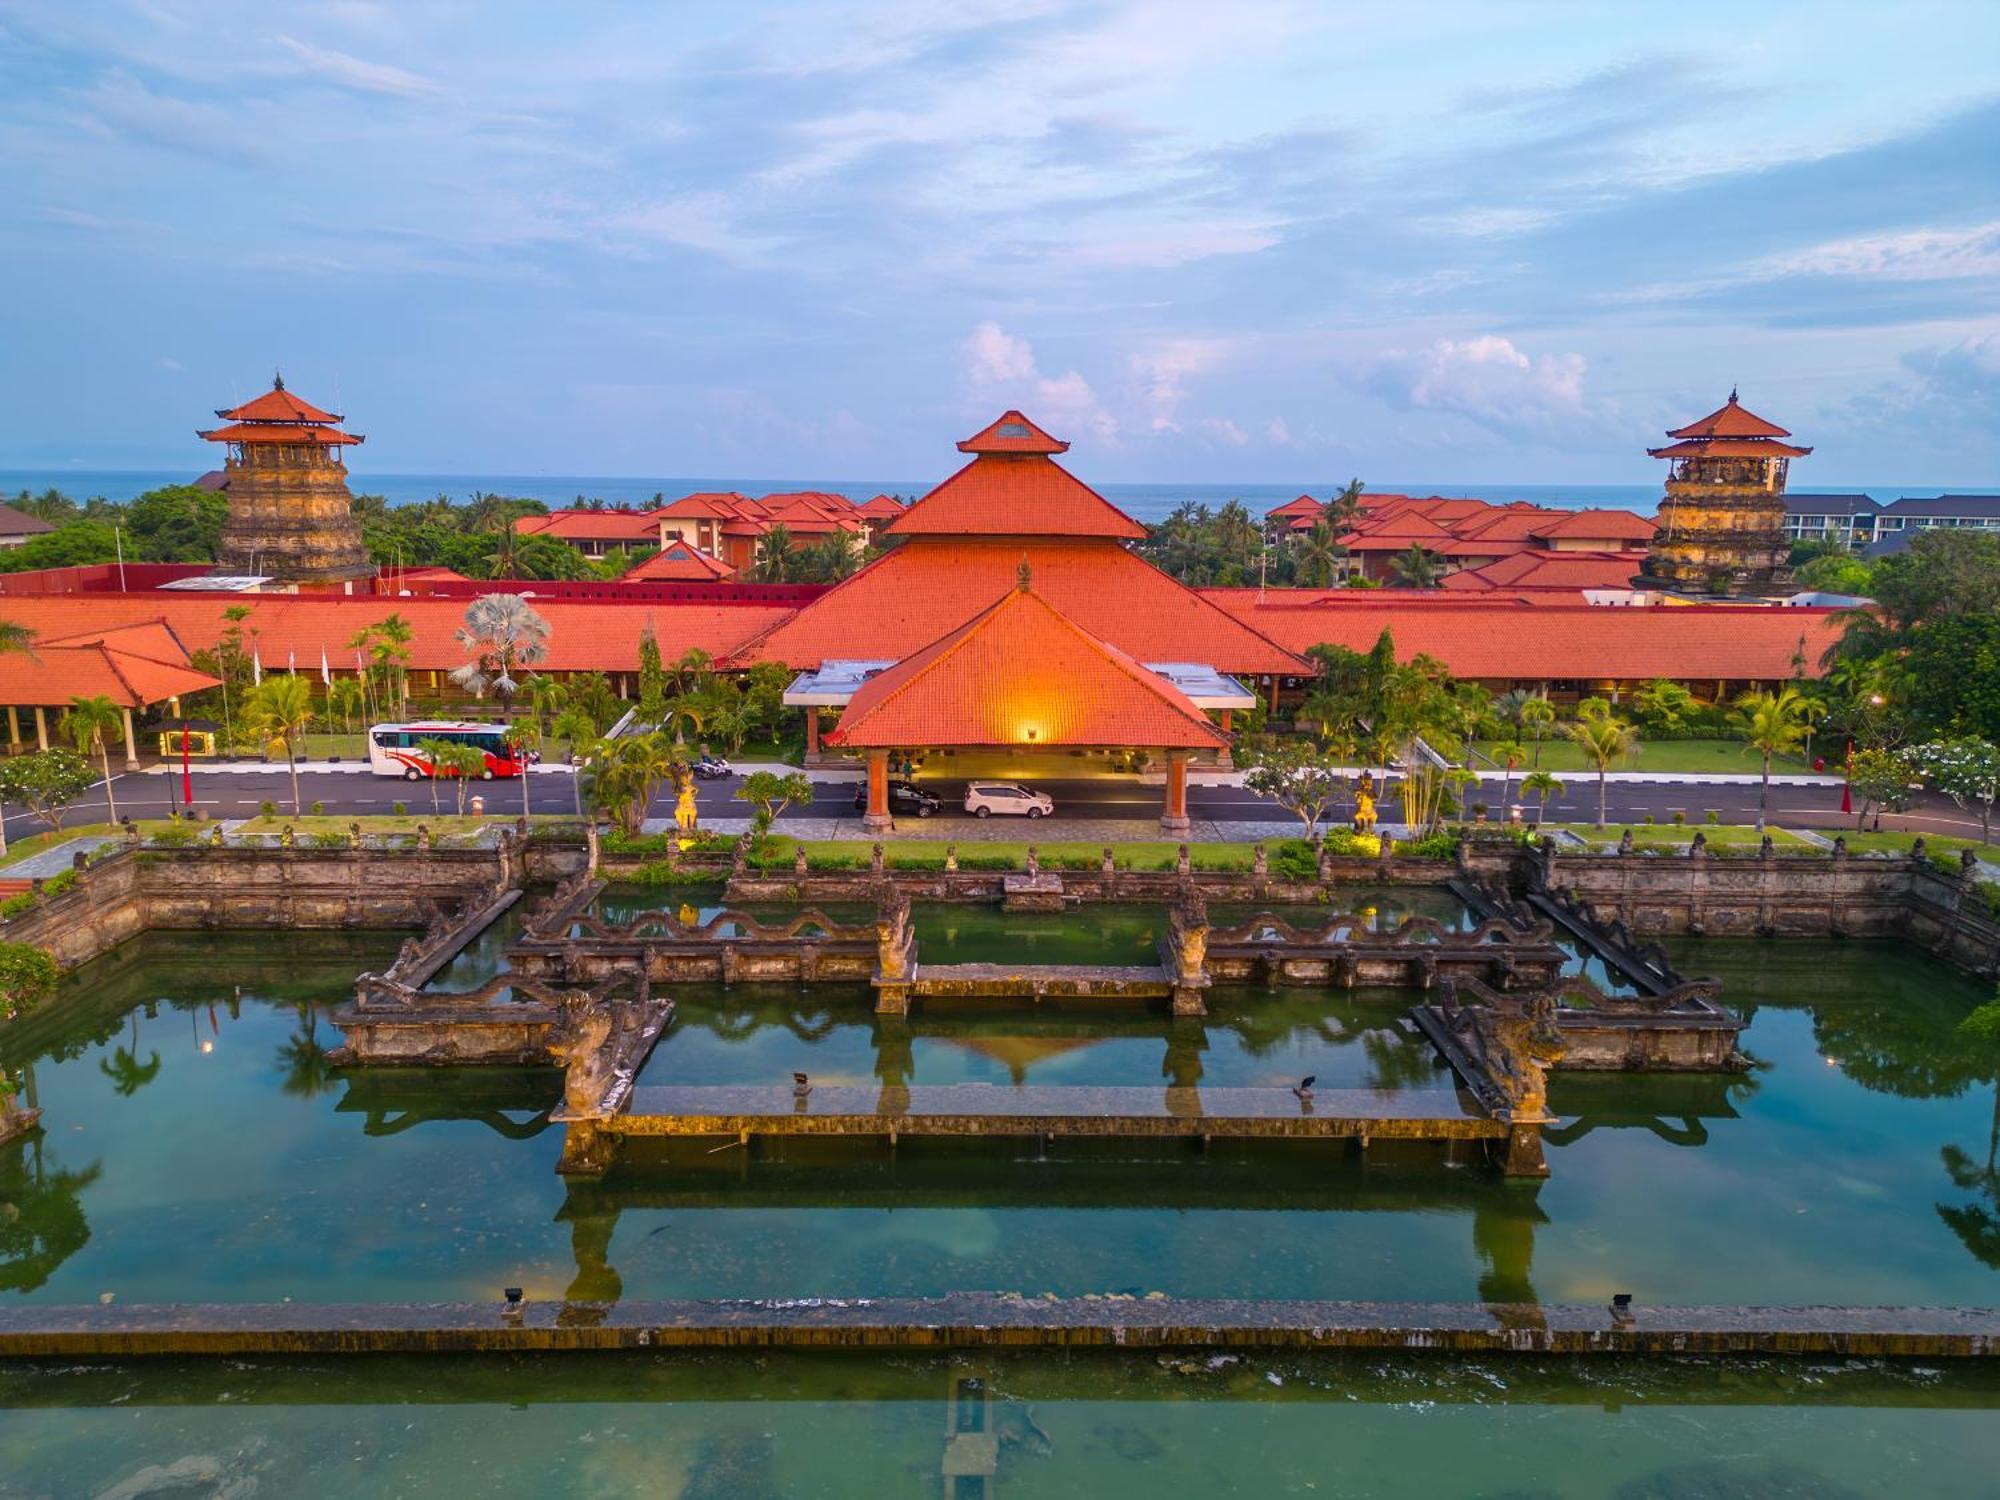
{"x": 1020, "y": 672}
{"x": 1732, "y": 430}
{"x": 278, "y": 416}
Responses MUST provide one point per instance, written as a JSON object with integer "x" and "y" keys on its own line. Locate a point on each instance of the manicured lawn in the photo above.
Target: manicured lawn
{"x": 1150, "y": 855}
{"x": 1670, "y": 836}
{"x": 1722, "y": 757}
{"x": 1899, "y": 843}
{"x": 21, "y": 848}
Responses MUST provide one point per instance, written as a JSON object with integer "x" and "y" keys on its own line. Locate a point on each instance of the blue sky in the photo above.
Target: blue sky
{"x": 1259, "y": 241}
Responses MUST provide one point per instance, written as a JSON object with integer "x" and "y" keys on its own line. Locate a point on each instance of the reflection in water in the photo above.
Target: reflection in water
{"x": 42, "y": 1222}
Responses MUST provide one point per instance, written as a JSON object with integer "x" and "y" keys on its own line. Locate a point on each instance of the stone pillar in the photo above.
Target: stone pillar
{"x": 131, "y": 744}
{"x": 812, "y": 734}
{"x": 13, "y": 727}
{"x": 1520, "y": 1153}
{"x": 877, "y": 819}
{"x": 587, "y": 1149}
{"x": 41, "y": 727}
{"x": 1174, "y": 815}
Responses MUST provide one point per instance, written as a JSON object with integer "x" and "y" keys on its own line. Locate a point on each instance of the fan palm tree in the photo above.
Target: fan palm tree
{"x": 504, "y": 634}
{"x": 278, "y": 711}
{"x": 1416, "y": 568}
{"x": 1603, "y": 739}
{"x": 1771, "y": 724}
{"x": 93, "y": 723}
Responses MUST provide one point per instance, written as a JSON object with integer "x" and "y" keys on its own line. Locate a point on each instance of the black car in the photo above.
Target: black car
{"x": 904, "y": 797}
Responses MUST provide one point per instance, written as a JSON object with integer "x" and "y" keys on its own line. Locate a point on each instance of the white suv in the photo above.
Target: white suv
{"x": 983, "y": 798}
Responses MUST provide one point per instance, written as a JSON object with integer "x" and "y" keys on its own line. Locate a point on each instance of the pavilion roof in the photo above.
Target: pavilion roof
{"x": 1730, "y": 420}
{"x": 133, "y": 664}
{"x": 1729, "y": 448}
{"x": 1011, "y": 432}
{"x": 278, "y": 405}
{"x": 678, "y": 562}
{"x": 1021, "y": 672}
{"x": 931, "y": 585}
{"x": 276, "y": 432}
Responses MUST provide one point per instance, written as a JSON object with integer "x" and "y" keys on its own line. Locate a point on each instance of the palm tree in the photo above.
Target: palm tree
{"x": 1541, "y": 785}
{"x": 575, "y": 726}
{"x": 390, "y": 652}
{"x": 1416, "y": 568}
{"x": 527, "y": 736}
{"x": 1341, "y": 509}
{"x": 1772, "y": 724}
{"x": 1510, "y": 757}
{"x": 92, "y": 724}
{"x": 1538, "y": 717}
{"x": 1320, "y": 553}
{"x": 504, "y": 634}
{"x": 774, "y": 555}
{"x": 505, "y": 559}
{"x": 279, "y": 709}
{"x": 345, "y": 698}
{"x": 437, "y": 755}
{"x": 1603, "y": 739}
{"x": 127, "y": 1074}
{"x": 14, "y": 637}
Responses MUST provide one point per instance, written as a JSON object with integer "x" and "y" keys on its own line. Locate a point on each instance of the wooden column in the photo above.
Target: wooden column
{"x": 877, "y": 819}
{"x": 1174, "y": 815}
{"x": 13, "y": 726}
{"x": 1225, "y": 721}
{"x": 131, "y": 744}
{"x": 812, "y": 733}
{"x": 41, "y": 728}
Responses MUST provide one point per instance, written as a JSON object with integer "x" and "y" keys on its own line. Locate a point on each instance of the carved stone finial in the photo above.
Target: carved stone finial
{"x": 1260, "y": 864}
{"x": 799, "y": 859}
{"x": 1034, "y": 861}
{"x": 875, "y": 859}
{"x": 950, "y": 857}
{"x": 1698, "y": 845}
{"x": 1918, "y": 850}
{"x": 1765, "y": 847}
{"x": 1625, "y": 842}
{"x": 1181, "y": 864}
{"x": 1840, "y": 846}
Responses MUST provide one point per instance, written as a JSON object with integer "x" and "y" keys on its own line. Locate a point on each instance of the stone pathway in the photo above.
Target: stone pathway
{"x": 60, "y": 857}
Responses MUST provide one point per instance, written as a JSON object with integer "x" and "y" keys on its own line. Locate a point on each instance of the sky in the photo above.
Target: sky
{"x": 1260, "y": 241}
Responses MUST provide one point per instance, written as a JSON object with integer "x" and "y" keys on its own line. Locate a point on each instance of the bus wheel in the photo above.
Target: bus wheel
{"x": 413, "y": 774}
{"x": 487, "y": 774}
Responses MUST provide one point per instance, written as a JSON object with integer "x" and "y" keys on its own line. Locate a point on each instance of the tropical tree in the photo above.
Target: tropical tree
{"x": 278, "y": 711}
{"x": 1771, "y": 724}
{"x": 771, "y": 793}
{"x": 1300, "y": 776}
{"x": 1967, "y": 770}
{"x": 652, "y": 676}
{"x": 626, "y": 774}
{"x": 127, "y": 1074}
{"x": 1882, "y": 780}
{"x": 1538, "y": 717}
{"x": 1663, "y": 705}
{"x": 1541, "y": 785}
{"x": 437, "y": 755}
{"x": 547, "y": 698}
{"x": 461, "y": 762}
{"x": 389, "y": 653}
{"x": 1416, "y": 568}
{"x": 1319, "y": 556}
{"x": 14, "y": 637}
{"x": 46, "y": 783}
{"x": 775, "y": 559}
{"x": 503, "y": 634}
{"x": 1603, "y": 738}
{"x": 93, "y": 724}
{"x": 574, "y": 727}
{"x": 1510, "y": 758}
{"x": 346, "y": 697}
{"x": 526, "y": 735}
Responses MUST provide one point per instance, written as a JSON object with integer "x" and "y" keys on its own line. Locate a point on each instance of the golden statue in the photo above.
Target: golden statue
{"x": 685, "y": 812}
{"x": 1364, "y": 812}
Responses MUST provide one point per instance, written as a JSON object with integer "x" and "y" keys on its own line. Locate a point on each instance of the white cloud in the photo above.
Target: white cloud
{"x": 171, "y": 365}
{"x": 1000, "y": 368}
{"x": 1908, "y": 255}
{"x": 1225, "y": 431}
{"x": 1162, "y": 374}
{"x": 343, "y": 70}
{"x": 1487, "y": 380}
{"x": 1277, "y": 433}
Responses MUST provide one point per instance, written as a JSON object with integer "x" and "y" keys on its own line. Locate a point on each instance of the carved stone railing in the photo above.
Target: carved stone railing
{"x": 1682, "y": 1030}
{"x": 1272, "y": 949}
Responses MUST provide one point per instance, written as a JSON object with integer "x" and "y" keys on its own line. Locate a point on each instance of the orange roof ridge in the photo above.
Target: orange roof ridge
{"x": 1026, "y": 494}
{"x": 277, "y": 405}
{"x": 1730, "y": 420}
{"x": 1011, "y": 432}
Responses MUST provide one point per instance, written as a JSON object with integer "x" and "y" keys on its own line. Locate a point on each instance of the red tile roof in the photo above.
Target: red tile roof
{"x": 272, "y": 432}
{"x": 584, "y": 636}
{"x": 1028, "y": 495}
{"x": 678, "y": 562}
{"x": 1517, "y": 641}
{"x": 1305, "y": 506}
{"x": 133, "y": 664}
{"x": 1535, "y": 569}
{"x": 708, "y": 505}
{"x": 1729, "y": 448}
{"x": 1619, "y": 524}
{"x": 1730, "y": 420}
{"x": 278, "y": 405}
{"x": 1011, "y": 432}
{"x": 881, "y": 508}
{"x": 592, "y": 526}
{"x": 931, "y": 585}
{"x": 1022, "y": 672}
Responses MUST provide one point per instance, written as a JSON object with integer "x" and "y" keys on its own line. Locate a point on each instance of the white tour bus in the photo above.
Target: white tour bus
{"x": 392, "y": 748}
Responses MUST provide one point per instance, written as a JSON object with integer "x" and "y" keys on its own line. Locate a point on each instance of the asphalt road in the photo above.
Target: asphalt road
{"x": 239, "y": 794}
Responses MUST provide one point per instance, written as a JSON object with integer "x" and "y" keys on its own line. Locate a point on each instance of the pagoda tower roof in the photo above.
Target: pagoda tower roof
{"x": 1013, "y": 488}
{"x": 1732, "y": 430}
{"x": 278, "y": 416}
{"x": 278, "y": 405}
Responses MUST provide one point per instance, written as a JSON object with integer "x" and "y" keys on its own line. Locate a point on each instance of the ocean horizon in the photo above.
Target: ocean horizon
{"x": 1148, "y": 502}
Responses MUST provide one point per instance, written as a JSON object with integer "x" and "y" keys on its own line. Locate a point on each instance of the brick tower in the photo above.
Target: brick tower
{"x": 290, "y": 515}
{"x": 1722, "y": 528}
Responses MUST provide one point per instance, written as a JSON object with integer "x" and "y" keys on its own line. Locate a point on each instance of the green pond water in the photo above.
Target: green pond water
{"x": 726, "y": 1427}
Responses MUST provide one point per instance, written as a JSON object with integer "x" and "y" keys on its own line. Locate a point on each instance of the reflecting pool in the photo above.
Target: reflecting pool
{"x": 197, "y": 1147}
{"x": 728, "y": 1427}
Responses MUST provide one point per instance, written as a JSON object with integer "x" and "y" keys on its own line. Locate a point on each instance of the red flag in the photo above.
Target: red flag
{"x": 1846, "y": 798}
{"x": 187, "y": 776}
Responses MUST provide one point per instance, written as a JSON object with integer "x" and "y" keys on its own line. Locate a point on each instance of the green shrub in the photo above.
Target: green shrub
{"x": 1680, "y": 818}
{"x": 915, "y": 861}
{"x": 1293, "y": 859}
{"x": 174, "y": 836}
{"x": 834, "y": 859}
{"x": 14, "y": 905}
{"x": 1077, "y": 862}
{"x": 401, "y": 809}
{"x": 660, "y": 873}
{"x": 327, "y": 838}
{"x": 1714, "y": 817}
{"x": 27, "y": 978}
{"x": 988, "y": 862}
{"x": 1440, "y": 845}
{"x": 1648, "y": 819}
{"x": 1983, "y": 1025}
{"x": 267, "y": 808}
{"x": 319, "y": 809}
{"x": 55, "y": 885}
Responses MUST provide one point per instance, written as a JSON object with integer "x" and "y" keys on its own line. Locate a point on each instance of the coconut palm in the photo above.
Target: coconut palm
{"x": 346, "y": 698}
{"x": 574, "y": 726}
{"x": 127, "y": 1074}
{"x": 1538, "y": 716}
{"x": 504, "y": 634}
{"x": 93, "y": 723}
{"x": 1319, "y": 557}
{"x": 1603, "y": 738}
{"x": 774, "y": 555}
{"x": 277, "y": 712}
{"x": 526, "y": 735}
{"x": 1541, "y": 785}
{"x": 1416, "y": 568}
{"x": 1771, "y": 724}
{"x": 14, "y": 637}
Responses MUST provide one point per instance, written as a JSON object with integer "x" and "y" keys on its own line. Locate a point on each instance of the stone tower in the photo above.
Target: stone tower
{"x": 290, "y": 515}
{"x": 1722, "y": 527}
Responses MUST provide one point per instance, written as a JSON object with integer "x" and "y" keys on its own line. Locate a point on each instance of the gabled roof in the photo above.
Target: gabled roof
{"x": 1945, "y": 505}
{"x": 591, "y": 525}
{"x": 706, "y": 505}
{"x": 1851, "y": 503}
{"x": 931, "y": 585}
{"x": 1011, "y": 432}
{"x": 1305, "y": 505}
{"x": 1730, "y": 420}
{"x": 133, "y": 664}
{"x": 1535, "y": 569}
{"x": 678, "y": 562}
{"x": 1616, "y": 524}
{"x": 880, "y": 508}
{"x": 1021, "y": 672}
{"x": 1009, "y": 495}
{"x": 278, "y": 405}
{"x": 19, "y": 523}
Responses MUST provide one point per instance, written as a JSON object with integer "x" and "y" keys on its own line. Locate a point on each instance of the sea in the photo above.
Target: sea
{"x": 1143, "y": 502}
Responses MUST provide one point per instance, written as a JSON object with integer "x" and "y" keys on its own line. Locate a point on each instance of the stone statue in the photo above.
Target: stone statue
{"x": 588, "y": 1068}
{"x": 799, "y": 860}
{"x": 892, "y": 933}
{"x": 1519, "y": 1042}
{"x": 685, "y": 812}
{"x": 1364, "y": 811}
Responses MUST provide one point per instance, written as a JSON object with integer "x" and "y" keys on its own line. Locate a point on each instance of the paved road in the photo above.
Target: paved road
{"x": 238, "y": 794}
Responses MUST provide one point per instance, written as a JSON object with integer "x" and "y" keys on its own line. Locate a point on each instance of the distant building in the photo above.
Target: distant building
{"x": 1466, "y": 537}
{"x": 1722, "y": 528}
{"x": 1914, "y": 513}
{"x": 290, "y": 515}
{"x": 1849, "y": 519}
{"x": 17, "y": 526}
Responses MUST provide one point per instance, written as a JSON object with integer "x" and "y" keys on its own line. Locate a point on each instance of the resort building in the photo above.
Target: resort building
{"x": 17, "y": 527}
{"x": 1470, "y": 536}
{"x": 1848, "y": 519}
